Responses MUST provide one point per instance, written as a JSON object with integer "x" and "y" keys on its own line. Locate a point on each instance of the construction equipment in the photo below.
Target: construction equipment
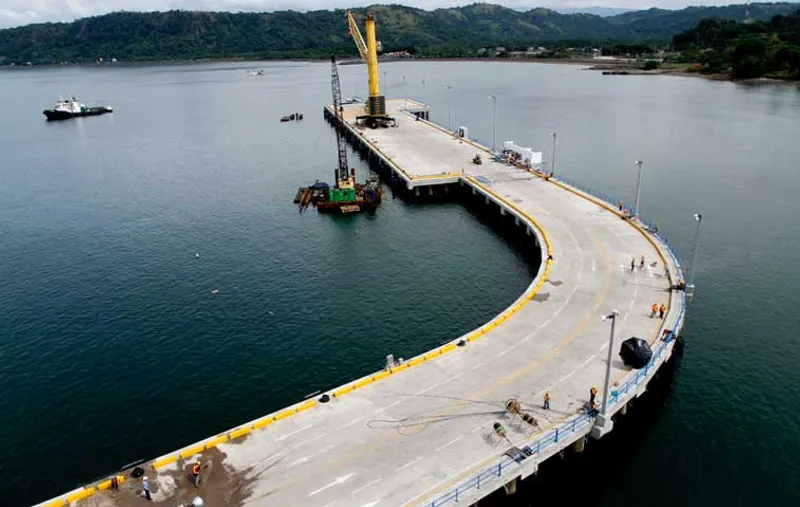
{"x": 345, "y": 196}
{"x": 375, "y": 111}
{"x": 345, "y": 187}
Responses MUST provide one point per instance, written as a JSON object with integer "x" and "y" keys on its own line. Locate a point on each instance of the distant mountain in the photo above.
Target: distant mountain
{"x": 181, "y": 35}
{"x": 603, "y": 12}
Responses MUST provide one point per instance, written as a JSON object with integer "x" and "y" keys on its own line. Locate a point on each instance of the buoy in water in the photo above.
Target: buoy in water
{"x": 215, "y": 291}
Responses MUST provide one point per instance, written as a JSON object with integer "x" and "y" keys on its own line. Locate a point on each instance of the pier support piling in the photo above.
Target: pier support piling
{"x": 579, "y": 445}
{"x": 511, "y": 487}
{"x": 602, "y": 426}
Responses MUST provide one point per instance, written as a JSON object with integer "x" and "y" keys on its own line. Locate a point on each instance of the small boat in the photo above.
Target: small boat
{"x": 68, "y": 109}
{"x": 292, "y": 117}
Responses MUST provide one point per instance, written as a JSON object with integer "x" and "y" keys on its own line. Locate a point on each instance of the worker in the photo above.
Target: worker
{"x": 653, "y": 310}
{"x": 546, "y": 401}
{"x": 146, "y": 489}
{"x": 641, "y": 263}
{"x": 592, "y": 396}
{"x": 662, "y": 310}
{"x": 196, "y": 473}
{"x": 633, "y": 264}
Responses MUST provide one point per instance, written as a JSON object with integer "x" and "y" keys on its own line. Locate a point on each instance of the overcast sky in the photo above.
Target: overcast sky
{"x": 22, "y": 12}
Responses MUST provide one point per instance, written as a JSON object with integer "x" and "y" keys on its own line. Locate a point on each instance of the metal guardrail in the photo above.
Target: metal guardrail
{"x": 577, "y": 423}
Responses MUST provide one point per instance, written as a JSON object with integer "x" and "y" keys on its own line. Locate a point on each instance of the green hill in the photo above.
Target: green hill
{"x": 745, "y": 50}
{"x": 181, "y": 35}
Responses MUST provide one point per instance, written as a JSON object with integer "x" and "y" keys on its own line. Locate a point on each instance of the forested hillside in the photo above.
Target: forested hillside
{"x": 745, "y": 50}
{"x": 182, "y": 35}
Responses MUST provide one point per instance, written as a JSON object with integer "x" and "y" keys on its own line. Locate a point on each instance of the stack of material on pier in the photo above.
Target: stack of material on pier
{"x": 520, "y": 154}
{"x": 635, "y": 352}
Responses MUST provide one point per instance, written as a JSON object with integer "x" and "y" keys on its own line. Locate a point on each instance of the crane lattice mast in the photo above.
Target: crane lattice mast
{"x": 342, "y": 172}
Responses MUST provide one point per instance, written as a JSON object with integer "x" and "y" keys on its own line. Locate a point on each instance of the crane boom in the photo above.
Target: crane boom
{"x": 357, "y": 38}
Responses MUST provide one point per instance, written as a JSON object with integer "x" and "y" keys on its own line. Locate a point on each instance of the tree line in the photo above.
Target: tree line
{"x": 461, "y": 31}
{"x": 744, "y": 50}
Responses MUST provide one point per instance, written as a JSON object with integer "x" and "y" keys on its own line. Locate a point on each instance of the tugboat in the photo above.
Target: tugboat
{"x": 68, "y": 109}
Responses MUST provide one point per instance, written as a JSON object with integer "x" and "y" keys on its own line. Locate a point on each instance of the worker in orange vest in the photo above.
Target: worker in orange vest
{"x": 592, "y": 396}
{"x": 653, "y": 310}
{"x": 662, "y": 311}
{"x": 196, "y": 473}
{"x": 546, "y": 401}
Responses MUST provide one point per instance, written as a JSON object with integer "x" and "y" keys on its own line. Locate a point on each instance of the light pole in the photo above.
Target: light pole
{"x": 613, "y": 318}
{"x": 553, "y": 164}
{"x": 405, "y": 97}
{"x": 699, "y": 219}
{"x": 385, "y": 83}
{"x": 423, "y": 92}
{"x": 638, "y": 188}
{"x": 494, "y": 123}
{"x": 450, "y": 107}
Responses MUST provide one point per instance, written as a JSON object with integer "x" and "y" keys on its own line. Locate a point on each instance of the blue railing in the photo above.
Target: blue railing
{"x": 579, "y": 422}
{"x": 568, "y": 428}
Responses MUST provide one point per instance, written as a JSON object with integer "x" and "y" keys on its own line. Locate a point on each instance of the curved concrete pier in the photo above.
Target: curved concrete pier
{"x": 421, "y": 433}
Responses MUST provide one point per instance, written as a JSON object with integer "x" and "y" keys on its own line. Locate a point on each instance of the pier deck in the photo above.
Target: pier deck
{"x": 415, "y": 436}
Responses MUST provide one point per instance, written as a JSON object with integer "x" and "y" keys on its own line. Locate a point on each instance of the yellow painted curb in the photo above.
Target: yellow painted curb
{"x": 216, "y": 441}
{"x": 191, "y": 451}
{"x": 165, "y": 461}
{"x": 80, "y": 495}
{"x": 240, "y": 432}
{"x": 263, "y": 423}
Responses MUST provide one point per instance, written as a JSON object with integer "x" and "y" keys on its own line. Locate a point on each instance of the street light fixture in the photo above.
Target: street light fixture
{"x": 638, "y": 188}
{"x": 613, "y": 318}
{"x": 553, "y": 164}
{"x": 450, "y": 108}
{"x": 405, "y": 97}
{"x": 690, "y": 287}
{"x": 494, "y": 123}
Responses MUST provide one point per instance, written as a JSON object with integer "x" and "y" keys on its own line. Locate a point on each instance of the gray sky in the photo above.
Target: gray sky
{"x": 21, "y": 12}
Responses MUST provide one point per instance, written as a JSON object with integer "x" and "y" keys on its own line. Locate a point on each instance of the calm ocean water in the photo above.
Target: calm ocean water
{"x": 113, "y": 346}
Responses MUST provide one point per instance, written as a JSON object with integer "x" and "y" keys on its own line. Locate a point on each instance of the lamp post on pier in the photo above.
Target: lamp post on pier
{"x": 638, "y": 189}
{"x": 449, "y": 90}
{"x": 405, "y": 96}
{"x": 494, "y": 123}
{"x": 690, "y": 286}
{"x": 553, "y": 163}
{"x": 603, "y": 422}
{"x": 613, "y": 318}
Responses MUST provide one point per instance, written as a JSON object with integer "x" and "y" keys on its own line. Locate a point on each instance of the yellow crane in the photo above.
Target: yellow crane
{"x": 376, "y": 104}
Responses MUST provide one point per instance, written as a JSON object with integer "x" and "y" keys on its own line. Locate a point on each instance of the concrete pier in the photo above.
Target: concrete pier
{"x": 423, "y": 432}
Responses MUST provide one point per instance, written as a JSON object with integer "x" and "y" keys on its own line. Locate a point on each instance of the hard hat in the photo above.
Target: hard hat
{"x": 197, "y": 502}
{"x": 144, "y": 478}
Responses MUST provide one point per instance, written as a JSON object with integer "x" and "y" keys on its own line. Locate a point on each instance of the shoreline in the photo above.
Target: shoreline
{"x": 621, "y": 68}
